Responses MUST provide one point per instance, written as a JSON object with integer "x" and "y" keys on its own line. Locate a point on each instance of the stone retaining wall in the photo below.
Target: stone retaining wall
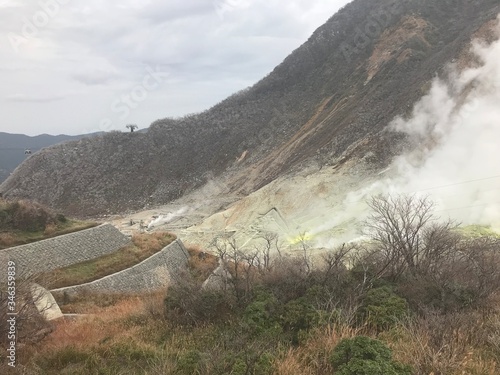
{"x": 65, "y": 250}
{"x": 154, "y": 273}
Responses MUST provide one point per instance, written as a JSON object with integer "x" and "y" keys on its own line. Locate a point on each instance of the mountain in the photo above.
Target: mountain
{"x": 13, "y": 147}
{"x": 328, "y": 104}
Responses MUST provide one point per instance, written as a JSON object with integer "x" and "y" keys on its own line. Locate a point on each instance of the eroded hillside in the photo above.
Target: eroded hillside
{"x": 327, "y": 102}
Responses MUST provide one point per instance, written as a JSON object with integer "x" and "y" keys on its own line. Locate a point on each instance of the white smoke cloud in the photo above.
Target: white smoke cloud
{"x": 456, "y": 161}
{"x": 165, "y": 219}
{"x": 457, "y": 131}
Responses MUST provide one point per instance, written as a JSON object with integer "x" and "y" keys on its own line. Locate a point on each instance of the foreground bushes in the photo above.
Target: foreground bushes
{"x": 402, "y": 304}
{"x": 381, "y": 308}
{"x": 365, "y": 356}
{"x": 415, "y": 272}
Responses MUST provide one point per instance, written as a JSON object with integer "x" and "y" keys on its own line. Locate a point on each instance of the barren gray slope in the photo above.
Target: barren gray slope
{"x": 339, "y": 89}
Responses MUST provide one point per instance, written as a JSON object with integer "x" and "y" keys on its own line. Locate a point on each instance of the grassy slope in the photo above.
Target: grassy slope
{"x": 143, "y": 246}
{"x": 23, "y": 222}
{"x": 474, "y": 231}
{"x": 19, "y": 237}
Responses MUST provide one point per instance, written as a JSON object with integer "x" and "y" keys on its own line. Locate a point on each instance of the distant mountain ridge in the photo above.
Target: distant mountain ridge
{"x": 13, "y": 147}
{"x": 329, "y": 101}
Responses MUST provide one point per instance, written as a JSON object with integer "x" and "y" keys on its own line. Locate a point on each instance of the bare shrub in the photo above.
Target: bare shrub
{"x": 479, "y": 266}
{"x": 269, "y": 245}
{"x": 243, "y": 266}
{"x": 334, "y": 274}
{"x": 287, "y": 279}
{"x": 29, "y": 321}
{"x": 432, "y": 264}
{"x": 406, "y": 236}
{"x": 468, "y": 277}
{"x": 187, "y": 303}
{"x": 30, "y": 216}
{"x": 201, "y": 263}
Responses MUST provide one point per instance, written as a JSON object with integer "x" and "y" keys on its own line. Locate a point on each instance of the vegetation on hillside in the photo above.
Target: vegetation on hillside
{"x": 24, "y": 221}
{"x": 323, "y": 83}
{"x": 419, "y": 298}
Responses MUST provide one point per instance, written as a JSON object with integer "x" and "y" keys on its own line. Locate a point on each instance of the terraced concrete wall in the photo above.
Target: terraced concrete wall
{"x": 62, "y": 251}
{"x": 154, "y": 273}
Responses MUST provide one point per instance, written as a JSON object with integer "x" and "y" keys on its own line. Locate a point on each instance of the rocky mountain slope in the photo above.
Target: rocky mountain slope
{"x": 13, "y": 147}
{"x": 327, "y": 104}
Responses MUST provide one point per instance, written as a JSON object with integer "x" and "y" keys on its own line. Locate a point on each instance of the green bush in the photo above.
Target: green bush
{"x": 264, "y": 364}
{"x": 261, "y": 315}
{"x": 365, "y": 356}
{"x": 382, "y": 308}
{"x": 61, "y": 218}
{"x": 298, "y": 317}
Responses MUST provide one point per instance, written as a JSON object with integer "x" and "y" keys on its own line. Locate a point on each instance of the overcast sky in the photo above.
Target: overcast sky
{"x": 76, "y": 67}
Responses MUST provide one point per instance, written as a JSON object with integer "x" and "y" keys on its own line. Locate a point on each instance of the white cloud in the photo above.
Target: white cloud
{"x": 95, "y": 77}
{"x": 32, "y": 99}
{"x": 96, "y": 50}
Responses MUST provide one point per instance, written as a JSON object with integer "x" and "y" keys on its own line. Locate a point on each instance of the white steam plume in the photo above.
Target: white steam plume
{"x": 165, "y": 219}
{"x": 456, "y": 161}
{"x": 457, "y": 128}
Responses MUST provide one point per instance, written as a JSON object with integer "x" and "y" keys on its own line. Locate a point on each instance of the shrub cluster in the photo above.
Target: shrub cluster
{"x": 418, "y": 298}
{"x": 26, "y": 216}
{"x": 414, "y": 269}
{"x": 365, "y": 356}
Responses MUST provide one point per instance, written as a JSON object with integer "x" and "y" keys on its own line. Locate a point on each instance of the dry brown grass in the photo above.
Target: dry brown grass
{"x": 50, "y": 230}
{"x": 311, "y": 358}
{"x": 149, "y": 242}
{"x": 115, "y": 338}
{"x": 457, "y": 344}
{"x": 83, "y": 333}
{"x": 90, "y": 303}
{"x": 7, "y": 240}
{"x": 103, "y": 323}
{"x": 201, "y": 263}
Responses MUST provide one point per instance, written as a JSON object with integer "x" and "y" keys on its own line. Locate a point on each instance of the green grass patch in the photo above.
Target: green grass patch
{"x": 143, "y": 246}
{"x": 476, "y": 231}
{"x": 19, "y": 237}
{"x": 23, "y": 222}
